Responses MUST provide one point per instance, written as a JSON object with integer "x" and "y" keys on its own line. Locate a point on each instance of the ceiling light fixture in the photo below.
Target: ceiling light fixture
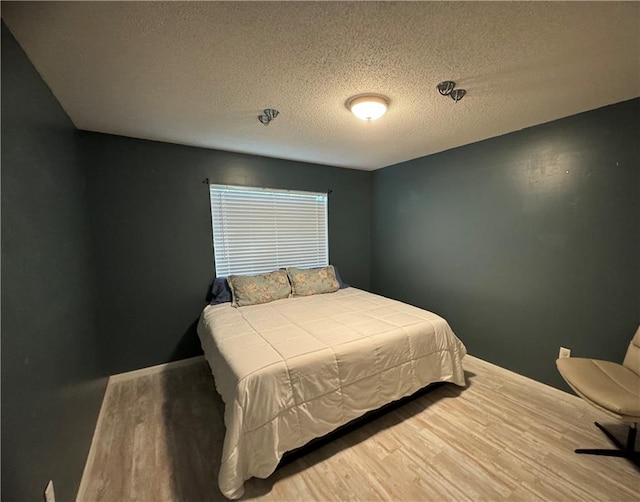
{"x": 368, "y": 106}
{"x": 457, "y": 94}
{"x": 447, "y": 88}
{"x": 268, "y": 115}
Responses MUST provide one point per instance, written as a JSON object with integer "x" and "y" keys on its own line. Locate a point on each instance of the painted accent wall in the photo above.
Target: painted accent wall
{"x": 152, "y": 238}
{"x": 524, "y": 242}
{"x": 51, "y": 368}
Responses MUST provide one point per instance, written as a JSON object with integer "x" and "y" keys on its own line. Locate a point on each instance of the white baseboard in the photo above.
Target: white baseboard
{"x": 159, "y": 368}
{"x": 530, "y": 381}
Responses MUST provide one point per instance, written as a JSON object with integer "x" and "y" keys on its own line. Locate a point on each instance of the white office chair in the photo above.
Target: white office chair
{"x": 613, "y": 388}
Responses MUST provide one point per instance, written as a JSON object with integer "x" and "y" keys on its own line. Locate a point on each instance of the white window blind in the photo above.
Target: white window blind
{"x": 258, "y": 230}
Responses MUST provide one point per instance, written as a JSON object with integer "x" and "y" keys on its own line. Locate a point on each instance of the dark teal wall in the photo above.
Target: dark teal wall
{"x": 524, "y": 242}
{"x": 51, "y": 390}
{"x": 151, "y": 231}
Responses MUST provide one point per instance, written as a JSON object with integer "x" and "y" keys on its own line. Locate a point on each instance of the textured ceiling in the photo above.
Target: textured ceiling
{"x": 199, "y": 73}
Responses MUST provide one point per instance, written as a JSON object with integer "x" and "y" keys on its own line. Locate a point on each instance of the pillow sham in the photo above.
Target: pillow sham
{"x": 261, "y": 288}
{"x": 312, "y": 281}
{"x": 219, "y": 291}
{"x": 341, "y": 283}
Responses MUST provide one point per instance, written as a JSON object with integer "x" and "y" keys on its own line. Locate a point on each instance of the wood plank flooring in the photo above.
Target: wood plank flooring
{"x": 503, "y": 437}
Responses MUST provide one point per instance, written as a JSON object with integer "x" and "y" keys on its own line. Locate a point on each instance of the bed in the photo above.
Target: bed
{"x": 297, "y": 368}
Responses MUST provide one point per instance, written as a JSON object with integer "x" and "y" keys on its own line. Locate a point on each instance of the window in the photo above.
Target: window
{"x": 258, "y": 230}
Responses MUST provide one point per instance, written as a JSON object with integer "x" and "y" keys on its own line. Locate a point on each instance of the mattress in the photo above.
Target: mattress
{"x": 296, "y": 369}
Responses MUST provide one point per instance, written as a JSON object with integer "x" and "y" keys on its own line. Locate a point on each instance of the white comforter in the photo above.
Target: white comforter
{"x": 295, "y": 369}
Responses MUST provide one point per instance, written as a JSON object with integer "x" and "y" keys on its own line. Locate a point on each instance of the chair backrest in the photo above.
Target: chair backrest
{"x": 632, "y": 359}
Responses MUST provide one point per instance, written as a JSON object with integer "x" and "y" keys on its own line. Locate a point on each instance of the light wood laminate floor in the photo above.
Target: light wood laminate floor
{"x": 503, "y": 437}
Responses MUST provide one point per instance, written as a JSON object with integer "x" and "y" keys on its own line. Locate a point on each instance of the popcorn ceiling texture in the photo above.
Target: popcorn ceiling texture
{"x": 199, "y": 73}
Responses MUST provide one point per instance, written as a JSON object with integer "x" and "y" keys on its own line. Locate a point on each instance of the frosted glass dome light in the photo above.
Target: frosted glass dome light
{"x": 368, "y": 107}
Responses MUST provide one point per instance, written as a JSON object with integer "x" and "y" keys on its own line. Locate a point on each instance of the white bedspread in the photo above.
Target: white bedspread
{"x": 295, "y": 369}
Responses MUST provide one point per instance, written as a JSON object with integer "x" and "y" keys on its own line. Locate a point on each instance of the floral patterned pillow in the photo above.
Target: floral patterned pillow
{"x": 312, "y": 281}
{"x": 261, "y": 288}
